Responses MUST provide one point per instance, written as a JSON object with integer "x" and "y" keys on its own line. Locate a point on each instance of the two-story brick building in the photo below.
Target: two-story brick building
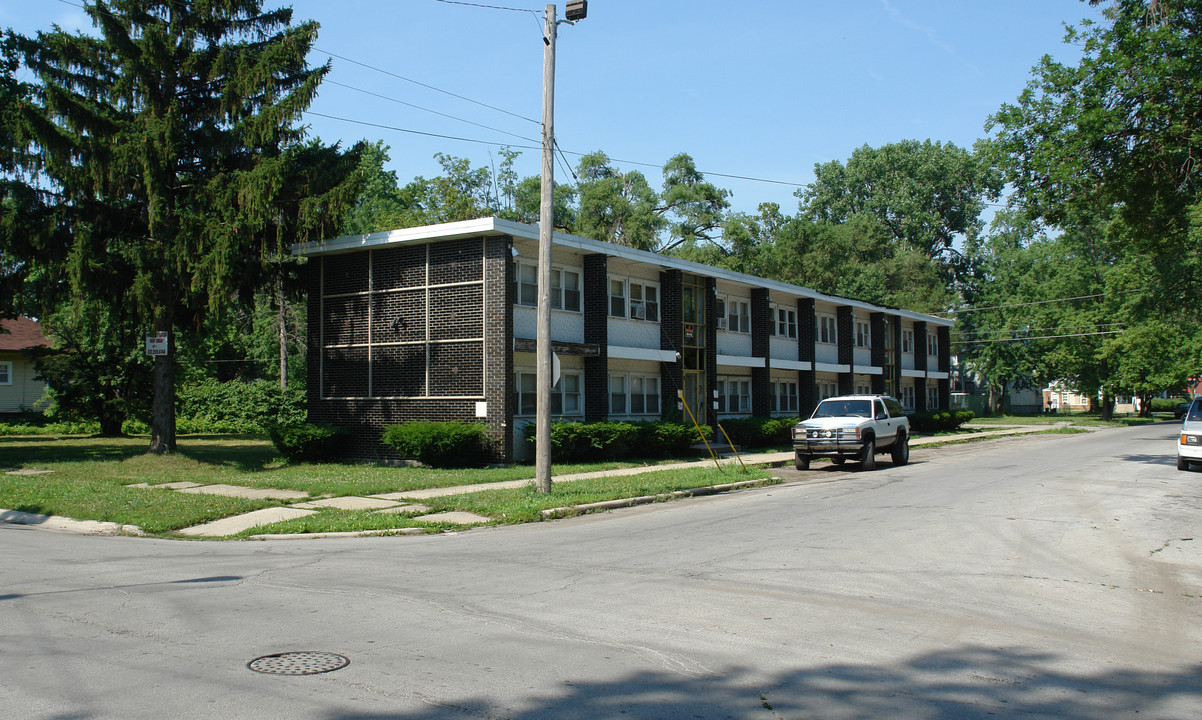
{"x": 438, "y": 322}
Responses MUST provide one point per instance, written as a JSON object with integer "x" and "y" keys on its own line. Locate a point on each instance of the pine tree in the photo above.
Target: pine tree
{"x": 158, "y": 136}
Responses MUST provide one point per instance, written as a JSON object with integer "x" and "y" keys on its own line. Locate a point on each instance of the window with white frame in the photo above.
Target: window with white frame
{"x": 633, "y": 394}
{"x": 526, "y": 277}
{"x": 734, "y": 395}
{"x": 644, "y": 301}
{"x": 932, "y": 345}
{"x": 863, "y": 334}
{"x": 827, "y": 390}
{"x": 565, "y": 290}
{"x": 907, "y": 341}
{"x": 863, "y": 389}
{"x": 932, "y": 397}
{"x": 720, "y": 312}
{"x": 566, "y": 396}
{"x": 907, "y": 397}
{"x": 617, "y": 394}
{"x": 565, "y": 287}
{"x": 784, "y": 396}
{"x": 6, "y": 373}
{"x": 735, "y": 314}
{"x": 784, "y": 322}
{"x": 827, "y": 329}
{"x": 635, "y": 299}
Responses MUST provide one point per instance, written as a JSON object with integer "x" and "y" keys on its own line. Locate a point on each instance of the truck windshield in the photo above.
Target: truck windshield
{"x": 844, "y": 408}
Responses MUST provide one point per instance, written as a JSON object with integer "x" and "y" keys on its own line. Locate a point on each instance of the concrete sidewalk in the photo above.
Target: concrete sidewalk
{"x": 298, "y": 504}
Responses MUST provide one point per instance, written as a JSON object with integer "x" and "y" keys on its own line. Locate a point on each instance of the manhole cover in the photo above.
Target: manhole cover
{"x": 298, "y": 663}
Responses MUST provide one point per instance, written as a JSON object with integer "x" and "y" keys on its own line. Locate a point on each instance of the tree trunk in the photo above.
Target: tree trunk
{"x": 282, "y": 319}
{"x": 162, "y": 421}
{"x": 111, "y": 424}
{"x": 1107, "y": 405}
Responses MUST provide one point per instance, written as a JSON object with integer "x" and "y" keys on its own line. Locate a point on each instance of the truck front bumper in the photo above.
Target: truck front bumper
{"x": 823, "y": 447}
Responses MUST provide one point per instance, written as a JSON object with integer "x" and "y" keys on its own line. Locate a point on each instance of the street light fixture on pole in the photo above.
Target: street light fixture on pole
{"x": 576, "y": 10}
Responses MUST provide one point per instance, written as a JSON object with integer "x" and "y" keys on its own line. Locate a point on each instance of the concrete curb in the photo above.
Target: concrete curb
{"x": 62, "y": 524}
{"x": 571, "y": 510}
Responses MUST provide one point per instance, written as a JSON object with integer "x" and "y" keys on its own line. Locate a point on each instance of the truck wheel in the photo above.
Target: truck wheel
{"x": 801, "y": 462}
{"x": 868, "y": 455}
{"x": 901, "y": 448}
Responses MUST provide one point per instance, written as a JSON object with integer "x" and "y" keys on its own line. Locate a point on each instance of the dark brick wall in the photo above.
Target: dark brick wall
{"x": 807, "y": 387}
{"x": 897, "y": 365}
{"x": 845, "y": 325}
{"x": 945, "y": 365}
{"x": 761, "y": 383}
{"x": 711, "y": 352}
{"x": 596, "y": 332}
{"x": 920, "y": 363}
{"x": 671, "y": 337}
{"x": 375, "y": 299}
{"x": 876, "y": 333}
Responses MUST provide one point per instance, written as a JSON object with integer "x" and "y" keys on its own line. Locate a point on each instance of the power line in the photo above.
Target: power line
{"x": 422, "y": 84}
{"x": 486, "y": 7}
{"x": 1051, "y": 329}
{"x": 1036, "y": 302}
{"x": 1042, "y": 337}
{"x": 425, "y": 109}
{"x": 417, "y": 132}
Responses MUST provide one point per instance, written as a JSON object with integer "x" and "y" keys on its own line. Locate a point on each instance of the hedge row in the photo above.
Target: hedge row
{"x": 439, "y": 444}
{"x": 758, "y": 432}
{"x": 939, "y": 420}
{"x": 578, "y": 441}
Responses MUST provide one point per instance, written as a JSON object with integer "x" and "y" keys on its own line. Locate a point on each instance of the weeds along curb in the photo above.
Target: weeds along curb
{"x": 572, "y": 510}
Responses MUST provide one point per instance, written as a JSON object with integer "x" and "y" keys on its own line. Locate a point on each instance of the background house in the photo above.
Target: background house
{"x": 19, "y": 391}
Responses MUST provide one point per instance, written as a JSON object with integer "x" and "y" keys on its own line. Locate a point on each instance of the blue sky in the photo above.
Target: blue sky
{"x": 756, "y": 89}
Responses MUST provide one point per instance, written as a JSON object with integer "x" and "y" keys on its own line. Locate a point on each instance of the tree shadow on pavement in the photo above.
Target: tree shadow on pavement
{"x": 968, "y": 683}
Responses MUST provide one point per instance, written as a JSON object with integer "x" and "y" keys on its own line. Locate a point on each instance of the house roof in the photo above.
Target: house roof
{"x": 21, "y": 333}
{"x": 492, "y": 226}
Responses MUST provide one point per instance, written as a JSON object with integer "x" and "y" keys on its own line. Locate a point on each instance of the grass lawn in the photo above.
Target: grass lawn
{"x": 1082, "y": 419}
{"x": 89, "y": 479}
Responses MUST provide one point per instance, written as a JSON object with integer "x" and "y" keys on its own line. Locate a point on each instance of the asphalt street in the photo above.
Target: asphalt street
{"x": 1043, "y": 576}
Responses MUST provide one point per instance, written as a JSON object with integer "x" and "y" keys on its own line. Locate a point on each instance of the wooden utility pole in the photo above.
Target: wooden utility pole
{"x": 546, "y": 222}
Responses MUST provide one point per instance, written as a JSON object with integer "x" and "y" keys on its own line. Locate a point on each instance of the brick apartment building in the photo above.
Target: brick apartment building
{"x": 438, "y": 323}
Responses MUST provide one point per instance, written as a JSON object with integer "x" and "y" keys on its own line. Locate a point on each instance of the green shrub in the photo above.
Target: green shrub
{"x": 666, "y": 439}
{"x": 1166, "y": 404}
{"x": 579, "y": 441}
{"x": 210, "y": 406}
{"x": 759, "y": 432}
{"x": 307, "y": 442}
{"x": 438, "y": 444}
{"x": 939, "y": 420}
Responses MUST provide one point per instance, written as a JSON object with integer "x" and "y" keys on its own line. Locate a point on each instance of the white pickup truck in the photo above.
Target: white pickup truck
{"x": 853, "y": 426}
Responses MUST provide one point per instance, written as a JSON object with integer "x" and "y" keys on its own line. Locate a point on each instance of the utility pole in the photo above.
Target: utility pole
{"x": 576, "y": 10}
{"x": 546, "y": 221}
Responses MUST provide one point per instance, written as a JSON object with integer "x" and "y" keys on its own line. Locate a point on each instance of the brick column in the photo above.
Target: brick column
{"x": 498, "y": 345}
{"x": 761, "y": 321}
{"x": 596, "y": 332}
{"x": 313, "y": 351}
{"x": 671, "y": 338}
{"x": 845, "y": 325}
{"x": 807, "y": 380}
{"x": 920, "y": 363}
{"x": 876, "y": 332}
{"x": 711, "y": 352}
{"x": 945, "y": 365}
{"x": 897, "y": 354}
